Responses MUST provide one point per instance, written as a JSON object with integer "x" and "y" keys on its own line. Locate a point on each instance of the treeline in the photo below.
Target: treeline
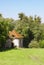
{"x": 30, "y": 27}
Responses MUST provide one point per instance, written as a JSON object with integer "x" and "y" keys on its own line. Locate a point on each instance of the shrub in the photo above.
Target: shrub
{"x": 41, "y": 43}
{"x": 34, "y": 44}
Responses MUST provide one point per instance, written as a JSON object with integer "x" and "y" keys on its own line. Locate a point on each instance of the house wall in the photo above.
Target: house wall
{"x": 8, "y": 43}
{"x": 21, "y": 43}
{"x": 16, "y": 42}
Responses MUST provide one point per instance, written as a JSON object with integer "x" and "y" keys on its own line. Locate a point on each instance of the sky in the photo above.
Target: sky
{"x": 11, "y": 8}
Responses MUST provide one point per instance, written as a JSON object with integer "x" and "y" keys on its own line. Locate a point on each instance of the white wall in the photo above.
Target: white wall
{"x": 16, "y": 42}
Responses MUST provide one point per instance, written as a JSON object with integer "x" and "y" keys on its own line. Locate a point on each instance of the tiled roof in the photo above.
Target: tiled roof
{"x": 15, "y": 34}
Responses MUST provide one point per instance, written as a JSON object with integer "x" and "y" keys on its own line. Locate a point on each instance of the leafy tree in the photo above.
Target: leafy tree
{"x": 22, "y": 26}
{"x": 41, "y": 43}
{"x": 30, "y": 27}
{"x": 21, "y": 15}
{"x": 42, "y": 31}
{"x": 5, "y": 26}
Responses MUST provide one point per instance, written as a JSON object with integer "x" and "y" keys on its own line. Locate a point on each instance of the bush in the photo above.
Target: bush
{"x": 34, "y": 44}
{"x": 41, "y": 43}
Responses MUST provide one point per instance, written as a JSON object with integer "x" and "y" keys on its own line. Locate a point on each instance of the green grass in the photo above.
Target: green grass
{"x": 22, "y": 57}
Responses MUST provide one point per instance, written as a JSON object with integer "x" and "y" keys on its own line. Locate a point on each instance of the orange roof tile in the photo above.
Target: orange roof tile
{"x": 15, "y": 34}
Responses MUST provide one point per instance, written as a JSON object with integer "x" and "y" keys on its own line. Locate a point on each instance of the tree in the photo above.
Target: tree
{"x": 30, "y": 27}
{"x": 37, "y": 19}
{"x": 21, "y": 15}
{"x": 34, "y": 24}
{"x": 1, "y": 15}
{"x": 42, "y": 31}
{"x": 22, "y": 26}
{"x": 5, "y": 26}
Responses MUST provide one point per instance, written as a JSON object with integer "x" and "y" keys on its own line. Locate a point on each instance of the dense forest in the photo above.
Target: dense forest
{"x": 30, "y": 27}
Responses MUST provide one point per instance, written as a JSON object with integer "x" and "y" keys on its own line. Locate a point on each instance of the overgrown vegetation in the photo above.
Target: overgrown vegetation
{"x": 30, "y": 27}
{"x": 34, "y": 44}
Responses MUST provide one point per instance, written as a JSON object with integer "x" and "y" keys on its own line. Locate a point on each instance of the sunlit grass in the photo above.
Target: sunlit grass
{"x": 22, "y": 57}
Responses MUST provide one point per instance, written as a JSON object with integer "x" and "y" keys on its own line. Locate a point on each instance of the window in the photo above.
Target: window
{"x": 13, "y": 36}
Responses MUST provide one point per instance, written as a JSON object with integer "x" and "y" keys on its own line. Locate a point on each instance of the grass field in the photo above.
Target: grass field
{"x": 22, "y": 57}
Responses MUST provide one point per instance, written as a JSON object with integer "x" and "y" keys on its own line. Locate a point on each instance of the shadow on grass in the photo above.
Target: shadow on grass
{"x": 7, "y": 49}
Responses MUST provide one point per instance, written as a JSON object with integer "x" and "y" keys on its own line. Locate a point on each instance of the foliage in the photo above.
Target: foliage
{"x": 41, "y": 43}
{"x": 42, "y": 31}
{"x": 30, "y": 27}
{"x": 5, "y": 27}
{"x": 33, "y": 44}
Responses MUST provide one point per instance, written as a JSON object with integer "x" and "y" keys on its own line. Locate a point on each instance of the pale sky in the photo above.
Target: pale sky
{"x": 11, "y": 8}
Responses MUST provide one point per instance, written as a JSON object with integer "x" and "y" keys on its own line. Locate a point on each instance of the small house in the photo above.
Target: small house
{"x": 15, "y": 40}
